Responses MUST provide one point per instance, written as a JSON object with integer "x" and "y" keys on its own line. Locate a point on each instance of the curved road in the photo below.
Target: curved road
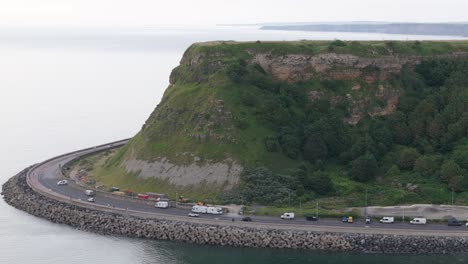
{"x": 43, "y": 178}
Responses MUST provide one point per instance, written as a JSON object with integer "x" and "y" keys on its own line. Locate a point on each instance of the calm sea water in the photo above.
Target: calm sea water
{"x": 66, "y": 89}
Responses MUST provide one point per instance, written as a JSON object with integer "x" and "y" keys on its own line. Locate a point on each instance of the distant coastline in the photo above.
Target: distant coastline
{"x": 436, "y": 29}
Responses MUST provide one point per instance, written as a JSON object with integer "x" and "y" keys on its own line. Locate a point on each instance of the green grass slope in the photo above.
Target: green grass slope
{"x": 294, "y": 139}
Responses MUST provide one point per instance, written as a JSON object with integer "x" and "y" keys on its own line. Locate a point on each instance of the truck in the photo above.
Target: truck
{"x": 200, "y": 209}
{"x": 163, "y": 204}
{"x": 387, "y": 220}
{"x": 89, "y": 192}
{"x": 214, "y": 210}
{"x": 288, "y": 216}
{"x": 418, "y": 221}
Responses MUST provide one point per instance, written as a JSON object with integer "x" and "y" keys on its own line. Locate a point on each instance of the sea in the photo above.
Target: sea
{"x": 64, "y": 89}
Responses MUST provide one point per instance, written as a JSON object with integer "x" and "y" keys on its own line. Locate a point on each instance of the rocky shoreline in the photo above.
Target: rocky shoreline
{"x": 18, "y": 194}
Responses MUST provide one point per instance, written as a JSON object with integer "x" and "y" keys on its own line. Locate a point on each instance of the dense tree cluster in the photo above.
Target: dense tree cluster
{"x": 430, "y": 121}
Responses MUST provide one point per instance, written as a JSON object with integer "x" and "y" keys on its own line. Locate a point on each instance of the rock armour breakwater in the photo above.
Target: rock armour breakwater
{"x": 18, "y": 194}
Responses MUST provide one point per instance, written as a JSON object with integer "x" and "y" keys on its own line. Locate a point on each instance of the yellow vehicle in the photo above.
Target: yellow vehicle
{"x": 350, "y": 219}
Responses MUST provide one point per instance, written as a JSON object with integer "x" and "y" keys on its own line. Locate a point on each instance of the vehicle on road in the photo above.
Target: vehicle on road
{"x": 62, "y": 182}
{"x": 246, "y": 219}
{"x": 89, "y": 192}
{"x": 214, "y": 210}
{"x": 344, "y": 219}
{"x": 387, "y": 220}
{"x": 114, "y": 189}
{"x": 199, "y": 209}
{"x": 91, "y": 200}
{"x": 454, "y": 222}
{"x": 193, "y": 214}
{"x": 288, "y": 216}
{"x": 311, "y": 217}
{"x": 350, "y": 219}
{"x": 142, "y": 196}
{"x": 90, "y": 182}
{"x": 368, "y": 220}
{"x": 163, "y": 204}
{"x": 418, "y": 221}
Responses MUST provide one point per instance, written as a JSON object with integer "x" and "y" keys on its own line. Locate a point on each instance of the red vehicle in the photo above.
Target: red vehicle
{"x": 143, "y": 196}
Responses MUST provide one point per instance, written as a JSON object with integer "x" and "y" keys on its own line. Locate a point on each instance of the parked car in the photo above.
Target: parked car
{"x": 387, "y": 220}
{"x": 246, "y": 219}
{"x": 344, "y": 219}
{"x": 368, "y": 220}
{"x": 454, "y": 222}
{"x": 311, "y": 218}
{"x": 91, "y": 200}
{"x": 350, "y": 219}
{"x": 62, "y": 182}
{"x": 193, "y": 214}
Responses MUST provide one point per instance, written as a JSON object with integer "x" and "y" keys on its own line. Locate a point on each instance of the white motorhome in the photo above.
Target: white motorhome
{"x": 288, "y": 216}
{"x": 163, "y": 204}
{"x": 200, "y": 209}
{"x": 214, "y": 210}
{"x": 387, "y": 220}
{"x": 89, "y": 192}
{"x": 418, "y": 221}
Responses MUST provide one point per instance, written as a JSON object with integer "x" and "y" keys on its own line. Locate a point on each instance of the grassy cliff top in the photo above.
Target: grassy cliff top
{"x": 311, "y": 47}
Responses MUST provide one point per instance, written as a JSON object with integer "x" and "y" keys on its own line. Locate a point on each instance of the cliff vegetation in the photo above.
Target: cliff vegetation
{"x": 290, "y": 122}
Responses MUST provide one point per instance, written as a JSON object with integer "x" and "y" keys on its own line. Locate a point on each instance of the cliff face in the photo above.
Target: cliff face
{"x": 332, "y": 66}
{"x": 207, "y": 126}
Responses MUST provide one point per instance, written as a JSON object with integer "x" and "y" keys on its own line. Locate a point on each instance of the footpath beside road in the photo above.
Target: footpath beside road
{"x": 25, "y": 191}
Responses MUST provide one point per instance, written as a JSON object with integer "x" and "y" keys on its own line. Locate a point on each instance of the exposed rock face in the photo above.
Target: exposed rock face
{"x": 221, "y": 174}
{"x": 18, "y": 194}
{"x": 330, "y": 66}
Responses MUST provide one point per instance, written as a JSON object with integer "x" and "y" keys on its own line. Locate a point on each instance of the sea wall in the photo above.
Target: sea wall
{"x": 18, "y": 194}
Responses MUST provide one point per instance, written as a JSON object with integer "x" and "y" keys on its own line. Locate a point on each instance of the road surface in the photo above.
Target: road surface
{"x": 44, "y": 177}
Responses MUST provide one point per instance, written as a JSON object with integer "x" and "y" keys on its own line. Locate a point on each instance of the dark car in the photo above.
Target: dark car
{"x": 368, "y": 220}
{"x": 454, "y": 222}
{"x": 311, "y": 218}
{"x": 246, "y": 219}
{"x": 344, "y": 219}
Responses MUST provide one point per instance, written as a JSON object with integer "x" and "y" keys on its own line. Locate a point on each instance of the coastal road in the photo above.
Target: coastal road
{"x": 44, "y": 177}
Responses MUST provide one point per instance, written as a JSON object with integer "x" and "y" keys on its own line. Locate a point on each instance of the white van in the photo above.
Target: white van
{"x": 163, "y": 204}
{"x": 387, "y": 220}
{"x": 89, "y": 192}
{"x": 288, "y": 216}
{"x": 418, "y": 221}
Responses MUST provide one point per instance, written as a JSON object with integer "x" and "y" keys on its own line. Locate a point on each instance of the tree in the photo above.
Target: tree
{"x": 393, "y": 171}
{"x": 315, "y": 149}
{"x": 453, "y": 175}
{"x": 450, "y": 171}
{"x": 321, "y": 182}
{"x": 427, "y": 166}
{"x": 401, "y": 131}
{"x": 407, "y": 158}
{"x": 364, "y": 145}
{"x": 364, "y": 168}
{"x": 261, "y": 185}
{"x": 290, "y": 145}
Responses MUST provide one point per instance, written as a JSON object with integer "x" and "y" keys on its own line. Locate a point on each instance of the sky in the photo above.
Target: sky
{"x": 209, "y": 12}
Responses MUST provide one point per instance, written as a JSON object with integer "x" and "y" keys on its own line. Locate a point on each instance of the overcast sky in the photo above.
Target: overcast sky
{"x": 189, "y": 12}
